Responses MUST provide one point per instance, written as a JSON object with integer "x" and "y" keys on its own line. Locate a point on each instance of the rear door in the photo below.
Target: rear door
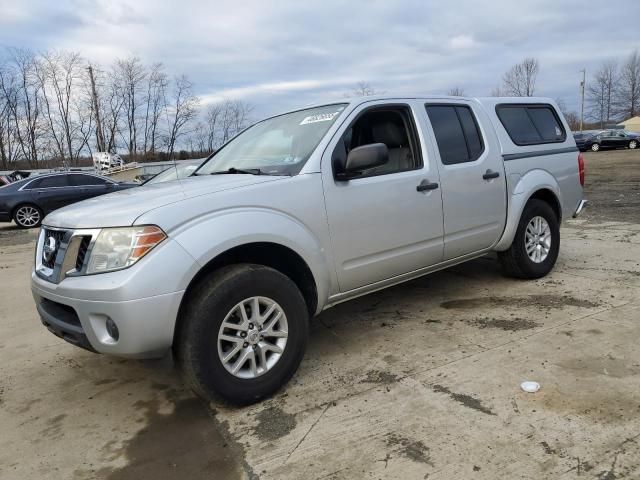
{"x": 52, "y": 192}
{"x": 89, "y": 186}
{"x": 471, "y": 176}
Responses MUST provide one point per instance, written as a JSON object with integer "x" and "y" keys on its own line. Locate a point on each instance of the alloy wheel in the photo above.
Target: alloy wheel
{"x": 252, "y": 337}
{"x": 537, "y": 239}
{"x": 27, "y": 216}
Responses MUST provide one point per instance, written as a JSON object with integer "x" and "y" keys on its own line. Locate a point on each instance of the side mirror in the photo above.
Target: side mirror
{"x": 362, "y": 158}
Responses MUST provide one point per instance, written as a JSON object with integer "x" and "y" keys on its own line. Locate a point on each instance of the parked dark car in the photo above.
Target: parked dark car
{"x": 27, "y": 201}
{"x": 606, "y": 139}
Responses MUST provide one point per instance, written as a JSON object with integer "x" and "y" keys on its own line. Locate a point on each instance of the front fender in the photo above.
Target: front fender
{"x": 520, "y": 191}
{"x": 213, "y": 235}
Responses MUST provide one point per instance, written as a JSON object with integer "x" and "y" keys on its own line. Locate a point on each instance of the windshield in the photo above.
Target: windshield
{"x": 173, "y": 173}
{"x": 277, "y": 146}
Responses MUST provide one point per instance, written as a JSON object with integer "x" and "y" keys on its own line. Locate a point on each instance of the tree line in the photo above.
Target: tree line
{"x": 57, "y": 109}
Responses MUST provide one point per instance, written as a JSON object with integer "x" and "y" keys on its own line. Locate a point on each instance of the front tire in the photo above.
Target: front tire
{"x": 535, "y": 247}
{"x": 243, "y": 333}
{"x": 633, "y": 144}
{"x": 27, "y": 216}
{"x": 595, "y": 147}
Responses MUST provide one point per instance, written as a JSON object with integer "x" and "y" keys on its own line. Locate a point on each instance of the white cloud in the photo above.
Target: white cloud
{"x": 461, "y": 42}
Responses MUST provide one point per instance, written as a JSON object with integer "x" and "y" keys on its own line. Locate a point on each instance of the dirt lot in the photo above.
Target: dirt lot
{"x": 418, "y": 381}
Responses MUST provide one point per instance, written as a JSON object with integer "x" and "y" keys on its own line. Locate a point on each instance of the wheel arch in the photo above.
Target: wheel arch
{"x": 270, "y": 254}
{"x": 537, "y": 184}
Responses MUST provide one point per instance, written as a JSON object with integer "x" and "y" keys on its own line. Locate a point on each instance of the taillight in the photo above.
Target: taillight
{"x": 581, "y": 168}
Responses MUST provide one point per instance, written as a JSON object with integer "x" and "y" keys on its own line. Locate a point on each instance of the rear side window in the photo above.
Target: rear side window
{"x": 84, "y": 180}
{"x": 531, "y": 124}
{"x": 456, "y": 132}
{"x": 50, "y": 182}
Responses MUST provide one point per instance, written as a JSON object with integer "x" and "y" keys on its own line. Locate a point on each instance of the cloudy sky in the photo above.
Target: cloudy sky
{"x": 282, "y": 54}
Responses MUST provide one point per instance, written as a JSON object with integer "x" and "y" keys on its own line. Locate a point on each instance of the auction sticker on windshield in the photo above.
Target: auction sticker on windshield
{"x": 320, "y": 117}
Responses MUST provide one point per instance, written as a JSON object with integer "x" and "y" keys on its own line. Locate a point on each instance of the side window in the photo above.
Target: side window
{"x": 53, "y": 181}
{"x": 32, "y": 185}
{"x": 79, "y": 180}
{"x": 391, "y": 125}
{"x": 456, "y": 132}
{"x": 531, "y": 124}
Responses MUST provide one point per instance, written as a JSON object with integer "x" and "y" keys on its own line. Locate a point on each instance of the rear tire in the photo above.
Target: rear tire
{"x": 595, "y": 147}
{"x": 27, "y": 216}
{"x": 633, "y": 144}
{"x": 201, "y": 347}
{"x": 528, "y": 256}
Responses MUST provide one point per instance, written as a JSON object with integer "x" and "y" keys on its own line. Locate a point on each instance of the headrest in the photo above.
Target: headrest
{"x": 389, "y": 133}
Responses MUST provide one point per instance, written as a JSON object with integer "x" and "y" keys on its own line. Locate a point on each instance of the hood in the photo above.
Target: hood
{"x": 121, "y": 208}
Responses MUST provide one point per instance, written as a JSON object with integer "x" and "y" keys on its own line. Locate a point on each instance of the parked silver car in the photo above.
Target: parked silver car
{"x": 300, "y": 212}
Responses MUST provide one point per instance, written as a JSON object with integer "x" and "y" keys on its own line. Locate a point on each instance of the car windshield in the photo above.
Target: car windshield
{"x": 277, "y": 146}
{"x": 173, "y": 173}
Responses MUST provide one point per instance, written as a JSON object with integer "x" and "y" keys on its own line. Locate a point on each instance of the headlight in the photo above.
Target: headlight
{"x": 118, "y": 248}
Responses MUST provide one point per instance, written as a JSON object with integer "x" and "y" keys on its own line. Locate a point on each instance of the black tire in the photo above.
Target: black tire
{"x": 209, "y": 302}
{"x": 515, "y": 261}
{"x": 595, "y": 147}
{"x": 633, "y": 144}
{"x": 19, "y": 216}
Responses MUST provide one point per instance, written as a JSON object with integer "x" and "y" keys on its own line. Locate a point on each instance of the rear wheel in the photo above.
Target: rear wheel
{"x": 595, "y": 147}
{"x": 243, "y": 333}
{"x": 27, "y": 216}
{"x": 633, "y": 144}
{"x": 535, "y": 247}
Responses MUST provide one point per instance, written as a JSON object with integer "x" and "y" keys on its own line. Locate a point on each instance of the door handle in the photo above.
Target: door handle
{"x": 489, "y": 174}
{"x": 426, "y": 185}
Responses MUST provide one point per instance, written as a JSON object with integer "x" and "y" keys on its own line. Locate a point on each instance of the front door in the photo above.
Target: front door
{"x": 472, "y": 178}
{"x": 381, "y": 223}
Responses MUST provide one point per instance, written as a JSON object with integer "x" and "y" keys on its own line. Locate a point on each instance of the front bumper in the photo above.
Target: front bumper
{"x": 142, "y": 300}
{"x": 581, "y": 204}
{"x": 145, "y": 325}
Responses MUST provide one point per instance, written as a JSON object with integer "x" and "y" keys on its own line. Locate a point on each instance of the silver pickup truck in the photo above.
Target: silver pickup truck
{"x": 297, "y": 213}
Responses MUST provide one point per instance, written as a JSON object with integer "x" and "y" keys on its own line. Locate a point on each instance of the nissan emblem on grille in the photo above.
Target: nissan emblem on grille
{"x": 49, "y": 249}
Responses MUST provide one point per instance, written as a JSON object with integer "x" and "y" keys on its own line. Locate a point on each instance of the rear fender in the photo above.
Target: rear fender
{"x": 520, "y": 193}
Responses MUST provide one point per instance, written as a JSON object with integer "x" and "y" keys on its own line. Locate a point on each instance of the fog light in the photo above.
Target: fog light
{"x": 112, "y": 329}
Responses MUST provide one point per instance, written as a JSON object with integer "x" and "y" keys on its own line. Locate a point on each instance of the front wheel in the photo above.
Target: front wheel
{"x": 633, "y": 144}
{"x": 243, "y": 333}
{"x": 595, "y": 147}
{"x": 27, "y": 216}
{"x": 535, "y": 248}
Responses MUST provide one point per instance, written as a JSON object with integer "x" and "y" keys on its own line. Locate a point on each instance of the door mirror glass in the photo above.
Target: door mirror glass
{"x": 363, "y": 158}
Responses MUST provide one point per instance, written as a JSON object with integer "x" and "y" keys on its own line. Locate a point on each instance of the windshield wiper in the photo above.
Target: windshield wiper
{"x": 233, "y": 170}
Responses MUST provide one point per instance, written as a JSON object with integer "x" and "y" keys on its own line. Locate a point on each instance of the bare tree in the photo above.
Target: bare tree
{"x": 21, "y": 89}
{"x": 130, "y": 74}
{"x": 571, "y": 117}
{"x": 456, "y": 92}
{"x": 363, "y": 89}
{"x": 213, "y": 118}
{"x": 157, "y": 83}
{"x": 628, "y": 91}
{"x": 600, "y": 93}
{"x": 520, "y": 80}
{"x": 181, "y": 110}
{"x": 61, "y": 75}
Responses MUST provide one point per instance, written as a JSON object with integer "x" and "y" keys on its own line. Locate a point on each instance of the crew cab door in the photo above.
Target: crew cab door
{"x": 387, "y": 221}
{"x": 471, "y": 177}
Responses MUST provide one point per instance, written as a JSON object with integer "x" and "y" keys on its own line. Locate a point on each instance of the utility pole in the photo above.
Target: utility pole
{"x": 94, "y": 98}
{"x": 584, "y": 79}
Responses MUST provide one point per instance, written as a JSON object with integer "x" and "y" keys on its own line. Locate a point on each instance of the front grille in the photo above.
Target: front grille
{"x": 82, "y": 252}
{"x": 49, "y": 257}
